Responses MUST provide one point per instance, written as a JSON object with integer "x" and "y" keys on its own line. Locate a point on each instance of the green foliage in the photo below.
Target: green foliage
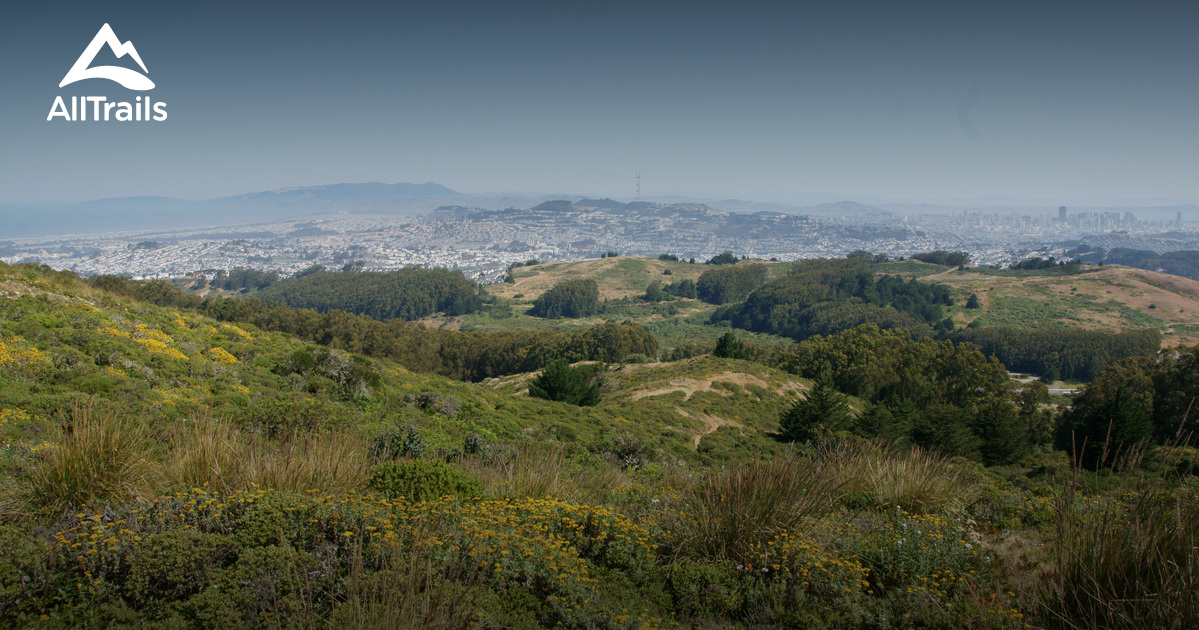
{"x": 1113, "y": 415}
{"x": 457, "y": 354}
{"x": 244, "y": 279}
{"x": 561, "y": 382}
{"x": 410, "y": 293}
{"x": 729, "y": 284}
{"x": 654, "y": 293}
{"x": 823, "y": 411}
{"x": 828, "y": 296}
{"x": 423, "y": 480}
{"x": 944, "y": 258}
{"x": 1075, "y": 354}
{"x": 1127, "y": 563}
{"x": 938, "y": 394}
{"x": 398, "y": 443}
{"x": 972, "y": 302}
{"x": 730, "y": 347}
{"x": 726, "y": 258}
{"x": 1134, "y": 401}
{"x": 682, "y": 288}
{"x": 569, "y": 298}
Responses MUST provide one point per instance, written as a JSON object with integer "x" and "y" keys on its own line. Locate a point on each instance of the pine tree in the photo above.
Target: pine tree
{"x": 825, "y": 410}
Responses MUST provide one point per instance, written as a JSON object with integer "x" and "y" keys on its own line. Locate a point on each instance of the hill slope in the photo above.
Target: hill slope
{"x": 1098, "y": 298}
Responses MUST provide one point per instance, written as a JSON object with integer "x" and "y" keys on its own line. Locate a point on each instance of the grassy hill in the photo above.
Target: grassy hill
{"x": 169, "y": 365}
{"x": 160, "y": 468}
{"x": 1112, "y": 298}
{"x": 1097, "y": 298}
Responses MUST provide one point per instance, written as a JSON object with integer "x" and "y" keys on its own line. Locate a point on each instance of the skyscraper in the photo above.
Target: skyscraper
{"x": 1061, "y": 214}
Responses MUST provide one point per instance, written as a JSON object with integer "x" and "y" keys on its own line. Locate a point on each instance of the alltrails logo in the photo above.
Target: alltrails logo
{"x": 142, "y": 108}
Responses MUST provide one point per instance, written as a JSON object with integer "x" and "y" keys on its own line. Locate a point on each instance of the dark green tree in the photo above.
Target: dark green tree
{"x": 727, "y": 258}
{"x": 823, "y": 411}
{"x": 570, "y": 298}
{"x": 972, "y": 302}
{"x": 730, "y": 347}
{"x": 654, "y": 293}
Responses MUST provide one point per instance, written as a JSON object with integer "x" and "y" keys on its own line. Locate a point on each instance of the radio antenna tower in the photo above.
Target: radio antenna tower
{"x": 638, "y": 180}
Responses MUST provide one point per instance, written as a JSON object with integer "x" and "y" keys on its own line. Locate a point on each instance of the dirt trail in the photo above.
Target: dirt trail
{"x": 689, "y": 386}
{"x": 711, "y": 423}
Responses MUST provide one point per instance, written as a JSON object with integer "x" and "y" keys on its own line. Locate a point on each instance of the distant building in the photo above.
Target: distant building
{"x": 1178, "y": 220}
{"x": 1061, "y": 214}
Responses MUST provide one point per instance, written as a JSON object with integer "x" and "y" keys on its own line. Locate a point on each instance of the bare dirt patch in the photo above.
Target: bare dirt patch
{"x": 711, "y": 424}
{"x": 689, "y": 386}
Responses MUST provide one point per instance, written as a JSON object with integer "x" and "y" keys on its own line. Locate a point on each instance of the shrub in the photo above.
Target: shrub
{"x": 423, "y": 480}
{"x": 399, "y": 443}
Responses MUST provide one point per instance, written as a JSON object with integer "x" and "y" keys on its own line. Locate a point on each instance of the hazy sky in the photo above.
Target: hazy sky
{"x": 1077, "y": 101}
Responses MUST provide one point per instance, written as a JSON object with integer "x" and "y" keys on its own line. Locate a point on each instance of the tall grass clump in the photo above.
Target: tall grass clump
{"x": 727, "y": 513}
{"x": 918, "y": 480}
{"x": 520, "y": 470}
{"x": 211, "y": 452}
{"x": 99, "y": 455}
{"x": 1126, "y": 560}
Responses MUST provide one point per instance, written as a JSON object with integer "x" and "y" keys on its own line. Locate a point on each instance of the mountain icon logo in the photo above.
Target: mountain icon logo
{"x": 129, "y": 78}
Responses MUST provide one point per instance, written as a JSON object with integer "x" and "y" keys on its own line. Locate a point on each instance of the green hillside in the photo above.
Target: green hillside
{"x": 166, "y": 462}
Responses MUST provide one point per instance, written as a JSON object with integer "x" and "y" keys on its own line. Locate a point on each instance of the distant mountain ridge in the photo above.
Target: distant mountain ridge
{"x": 343, "y": 192}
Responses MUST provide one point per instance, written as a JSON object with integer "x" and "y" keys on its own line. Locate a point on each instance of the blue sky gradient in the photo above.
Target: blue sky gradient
{"x": 1078, "y": 101}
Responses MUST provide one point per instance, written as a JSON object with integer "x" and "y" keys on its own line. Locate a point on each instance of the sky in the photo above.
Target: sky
{"x": 1082, "y": 102}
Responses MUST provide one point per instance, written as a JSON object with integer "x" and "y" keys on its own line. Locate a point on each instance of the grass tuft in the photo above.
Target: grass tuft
{"x": 100, "y": 455}
{"x": 730, "y": 512}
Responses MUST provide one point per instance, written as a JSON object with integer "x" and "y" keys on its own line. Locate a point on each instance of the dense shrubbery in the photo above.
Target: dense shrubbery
{"x": 569, "y": 298}
{"x": 409, "y": 294}
{"x": 241, "y": 278}
{"x": 725, "y": 258}
{"x": 682, "y": 288}
{"x": 940, "y": 395}
{"x": 423, "y": 480}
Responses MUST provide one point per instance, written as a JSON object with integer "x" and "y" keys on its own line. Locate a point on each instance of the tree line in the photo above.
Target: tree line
{"x": 826, "y": 296}
{"x": 463, "y": 355}
{"x": 1059, "y": 352}
{"x": 1184, "y": 263}
{"x": 575, "y": 297}
{"x": 410, "y": 293}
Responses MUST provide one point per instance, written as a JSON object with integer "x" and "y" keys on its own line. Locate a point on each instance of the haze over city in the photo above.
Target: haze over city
{"x": 1073, "y": 103}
